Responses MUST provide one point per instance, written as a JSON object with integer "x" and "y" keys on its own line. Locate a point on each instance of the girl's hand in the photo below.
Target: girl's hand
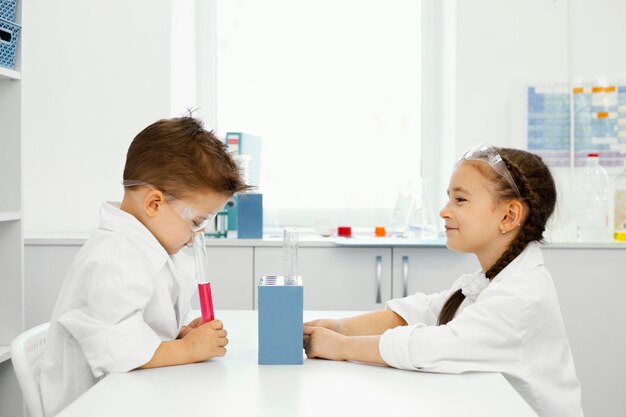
{"x": 206, "y": 340}
{"x": 321, "y": 342}
{"x": 330, "y": 324}
{"x": 189, "y": 327}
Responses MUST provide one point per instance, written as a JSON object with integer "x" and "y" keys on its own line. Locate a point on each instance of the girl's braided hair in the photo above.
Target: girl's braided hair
{"x": 536, "y": 185}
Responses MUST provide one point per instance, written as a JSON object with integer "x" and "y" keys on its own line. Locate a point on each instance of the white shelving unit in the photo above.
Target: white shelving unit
{"x": 10, "y": 215}
{"x": 9, "y": 74}
{"x": 5, "y": 353}
{"x": 11, "y": 233}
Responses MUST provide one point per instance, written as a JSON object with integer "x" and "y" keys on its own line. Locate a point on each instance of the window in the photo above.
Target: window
{"x": 333, "y": 89}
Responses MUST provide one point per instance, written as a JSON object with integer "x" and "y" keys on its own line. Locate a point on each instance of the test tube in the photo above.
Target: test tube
{"x": 202, "y": 277}
{"x": 290, "y": 255}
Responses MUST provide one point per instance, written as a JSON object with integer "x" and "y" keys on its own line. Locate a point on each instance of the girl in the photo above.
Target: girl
{"x": 504, "y": 318}
{"x": 127, "y": 295}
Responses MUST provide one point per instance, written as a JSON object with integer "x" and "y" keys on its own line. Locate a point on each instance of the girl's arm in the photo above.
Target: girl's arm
{"x": 351, "y": 339}
{"x": 373, "y": 323}
{"x": 323, "y": 343}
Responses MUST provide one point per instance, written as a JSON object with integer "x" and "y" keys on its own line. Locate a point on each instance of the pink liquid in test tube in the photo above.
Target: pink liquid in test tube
{"x": 206, "y": 301}
{"x": 204, "y": 287}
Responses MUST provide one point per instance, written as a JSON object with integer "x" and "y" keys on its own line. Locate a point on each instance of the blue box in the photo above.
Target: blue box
{"x": 280, "y": 321}
{"x": 246, "y": 144}
{"x": 9, "y": 35}
{"x": 7, "y": 9}
{"x": 249, "y": 216}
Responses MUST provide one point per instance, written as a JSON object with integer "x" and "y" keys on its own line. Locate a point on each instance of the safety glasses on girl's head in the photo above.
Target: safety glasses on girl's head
{"x": 199, "y": 220}
{"x": 489, "y": 154}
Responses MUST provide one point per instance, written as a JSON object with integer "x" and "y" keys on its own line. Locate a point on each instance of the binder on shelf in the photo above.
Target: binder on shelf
{"x": 249, "y": 216}
{"x": 241, "y": 143}
{"x": 245, "y": 213}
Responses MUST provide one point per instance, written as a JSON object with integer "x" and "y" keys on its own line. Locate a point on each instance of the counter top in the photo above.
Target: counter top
{"x": 316, "y": 241}
{"x": 236, "y": 385}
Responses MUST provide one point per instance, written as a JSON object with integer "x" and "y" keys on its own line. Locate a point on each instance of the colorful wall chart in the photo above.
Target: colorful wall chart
{"x": 599, "y": 115}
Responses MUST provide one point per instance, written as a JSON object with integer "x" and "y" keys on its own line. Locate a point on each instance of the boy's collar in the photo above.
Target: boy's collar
{"x": 117, "y": 220}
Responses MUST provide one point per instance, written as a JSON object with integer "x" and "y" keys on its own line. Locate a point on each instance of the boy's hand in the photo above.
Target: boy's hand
{"x": 205, "y": 340}
{"x": 189, "y": 327}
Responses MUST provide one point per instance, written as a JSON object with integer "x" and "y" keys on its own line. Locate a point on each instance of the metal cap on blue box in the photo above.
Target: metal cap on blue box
{"x": 280, "y": 320}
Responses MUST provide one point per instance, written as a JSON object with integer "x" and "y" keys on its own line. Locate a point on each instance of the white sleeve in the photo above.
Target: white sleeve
{"x": 110, "y": 328}
{"x": 419, "y": 308}
{"x": 484, "y": 336}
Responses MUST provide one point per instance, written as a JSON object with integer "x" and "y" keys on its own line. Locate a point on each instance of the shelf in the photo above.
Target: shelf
{"x": 7, "y": 216}
{"x": 5, "y": 353}
{"x": 9, "y": 74}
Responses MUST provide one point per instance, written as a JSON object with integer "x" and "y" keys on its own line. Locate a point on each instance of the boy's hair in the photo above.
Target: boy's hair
{"x": 178, "y": 156}
{"x": 536, "y": 185}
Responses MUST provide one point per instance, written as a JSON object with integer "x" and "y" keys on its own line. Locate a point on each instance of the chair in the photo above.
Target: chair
{"x": 26, "y": 354}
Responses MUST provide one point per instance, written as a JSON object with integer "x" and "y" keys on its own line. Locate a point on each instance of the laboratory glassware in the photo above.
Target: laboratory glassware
{"x": 202, "y": 277}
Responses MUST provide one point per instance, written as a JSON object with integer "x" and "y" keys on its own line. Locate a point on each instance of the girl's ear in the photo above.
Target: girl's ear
{"x": 152, "y": 202}
{"x": 514, "y": 212}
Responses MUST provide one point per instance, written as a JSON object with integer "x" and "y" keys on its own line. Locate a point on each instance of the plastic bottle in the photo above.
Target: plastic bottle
{"x": 592, "y": 212}
{"x": 619, "y": 189}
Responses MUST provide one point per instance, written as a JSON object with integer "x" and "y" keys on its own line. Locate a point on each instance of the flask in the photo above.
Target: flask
{"x": 619, "y": 187}
{"x": 592, "y": 211}
{"x": 405, "y": 201}
{"x": 422, "y": 223}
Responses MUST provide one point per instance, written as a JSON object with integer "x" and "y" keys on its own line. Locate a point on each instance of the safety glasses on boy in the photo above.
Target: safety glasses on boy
{"x": 199, "y": 220}
{"x": 489, "y": 154}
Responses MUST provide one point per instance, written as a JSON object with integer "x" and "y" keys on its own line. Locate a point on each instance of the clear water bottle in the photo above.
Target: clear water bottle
{"x": 619, "y": 189}
{"x": 592, "y": 213}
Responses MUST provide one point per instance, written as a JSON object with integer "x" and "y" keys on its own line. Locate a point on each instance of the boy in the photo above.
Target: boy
{"x": 126, "y": 296}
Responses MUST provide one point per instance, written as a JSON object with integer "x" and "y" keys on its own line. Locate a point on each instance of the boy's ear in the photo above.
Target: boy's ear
{"x": 514, "y": 212}
{"x": 152, "y": 202}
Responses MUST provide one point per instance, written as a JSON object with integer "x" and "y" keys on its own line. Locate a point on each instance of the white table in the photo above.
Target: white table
{"x": 236, "y": 385}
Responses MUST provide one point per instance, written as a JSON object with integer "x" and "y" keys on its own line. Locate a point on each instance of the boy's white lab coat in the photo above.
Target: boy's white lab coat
{"x": 514, "y": 327}
{"x": 121, "y": 298}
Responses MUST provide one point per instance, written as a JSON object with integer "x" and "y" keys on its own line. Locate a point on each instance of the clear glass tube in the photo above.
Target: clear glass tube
{"x": 290, "y": 255}
{"x": 202, "y": 277}
{"x": 199, "y": 254}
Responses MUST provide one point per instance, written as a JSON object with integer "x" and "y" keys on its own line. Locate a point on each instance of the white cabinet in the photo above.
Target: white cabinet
{"x": 46, "y": 264}
{"x": 428, "y": 270}
{"x": 11, "y": 238}
{"x": 230, "y": 274}
{"x": 334, "y": 278}
{"x": 591, "y": 284}
{"x": 45, "y": 267}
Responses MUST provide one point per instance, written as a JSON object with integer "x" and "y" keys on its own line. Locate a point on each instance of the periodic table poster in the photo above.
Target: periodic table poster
{"x": 596, "y": 114}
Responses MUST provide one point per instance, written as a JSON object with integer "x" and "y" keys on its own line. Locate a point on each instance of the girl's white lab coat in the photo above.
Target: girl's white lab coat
{"x": 514, "y": 327}
{"x": 121, "y": 298}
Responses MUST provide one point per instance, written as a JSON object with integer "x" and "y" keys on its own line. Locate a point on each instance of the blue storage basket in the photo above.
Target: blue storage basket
{"x": 9, "y": 34}
{"x": 7, "y": 9}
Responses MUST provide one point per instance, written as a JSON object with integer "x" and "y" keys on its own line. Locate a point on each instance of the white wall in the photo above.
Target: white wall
{"x": 94, "y": 74}
{"x": 499, "y": 44}
{"x": 502, "y": 44}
